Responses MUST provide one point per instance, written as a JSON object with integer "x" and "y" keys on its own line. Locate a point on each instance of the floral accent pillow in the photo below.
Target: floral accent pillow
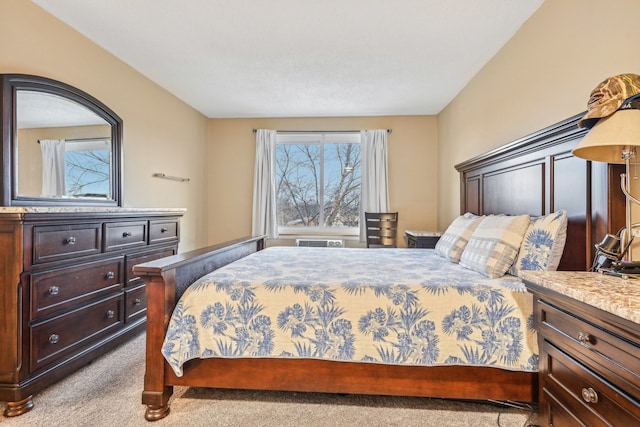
{"x": 494, "y": 244}
{"x": 543, "y": 243}
{"x": 452, "y": 243}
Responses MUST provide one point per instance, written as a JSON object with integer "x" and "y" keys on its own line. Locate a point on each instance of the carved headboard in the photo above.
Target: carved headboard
{"x": 537, "y": 175}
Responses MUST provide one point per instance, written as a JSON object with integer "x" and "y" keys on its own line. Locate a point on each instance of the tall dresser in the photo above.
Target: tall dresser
{"x": 67, "y": 290}
{"x": 589, "y": 336}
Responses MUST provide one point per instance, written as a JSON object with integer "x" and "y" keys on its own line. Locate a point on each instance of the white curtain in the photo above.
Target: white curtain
{"x": 52, "y": 167}
{"x": 264, "y": 185}
{"x": 375, "y": 184}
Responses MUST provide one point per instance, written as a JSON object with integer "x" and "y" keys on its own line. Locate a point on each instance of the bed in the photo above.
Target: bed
{"x": 392, "y": 306}
{"x": 534, "y": 176}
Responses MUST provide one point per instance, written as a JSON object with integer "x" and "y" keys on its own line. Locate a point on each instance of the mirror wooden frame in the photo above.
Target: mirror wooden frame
{"x": 10, "y": 84}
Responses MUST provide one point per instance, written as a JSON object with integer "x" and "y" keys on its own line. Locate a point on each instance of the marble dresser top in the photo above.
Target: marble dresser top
{"x": 83, "y": 209}
{"x": 612, "y": 294}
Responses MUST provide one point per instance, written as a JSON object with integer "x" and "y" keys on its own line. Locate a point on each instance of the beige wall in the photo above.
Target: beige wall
{"x": 161, "y": 133}
{"x": 543, "y": 75}
{"x": 412, "y": 168}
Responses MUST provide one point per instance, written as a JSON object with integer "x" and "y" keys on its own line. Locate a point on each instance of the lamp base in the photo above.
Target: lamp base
{"x": 619, "y": 273}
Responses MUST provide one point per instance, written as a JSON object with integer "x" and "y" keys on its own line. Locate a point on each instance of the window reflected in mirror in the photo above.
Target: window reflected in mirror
{"x": 64, "y": 149}
{"x": 87, "y": 163}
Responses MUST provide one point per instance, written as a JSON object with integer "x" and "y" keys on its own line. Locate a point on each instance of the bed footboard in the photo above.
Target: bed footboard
{"x": 166, "y": 280}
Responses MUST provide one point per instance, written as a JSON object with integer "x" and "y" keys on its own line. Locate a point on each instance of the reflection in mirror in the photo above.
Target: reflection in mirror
{"x": 64, "y": 149}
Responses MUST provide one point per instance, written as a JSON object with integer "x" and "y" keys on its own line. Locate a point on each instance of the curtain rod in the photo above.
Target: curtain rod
{"x": 97, "y": 138}
{"x": 319, "y": 131}
{"x": 84, "y": 139}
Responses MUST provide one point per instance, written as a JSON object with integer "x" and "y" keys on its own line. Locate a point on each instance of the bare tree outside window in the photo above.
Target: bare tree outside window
{"x": 87, "y": 173}
{"x": 342, "y": 186}
{"x": 318, "y": 184}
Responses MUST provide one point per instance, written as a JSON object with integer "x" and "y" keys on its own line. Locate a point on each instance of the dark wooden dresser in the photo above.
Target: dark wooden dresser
{"x": 67, "y": 290}
{"x": 589, "y": 335}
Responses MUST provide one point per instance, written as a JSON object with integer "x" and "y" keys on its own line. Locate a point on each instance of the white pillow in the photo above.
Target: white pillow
{"x": 452, "y": 243}
{"x": 494, "y": 244}
{"x": 543, "y": 243}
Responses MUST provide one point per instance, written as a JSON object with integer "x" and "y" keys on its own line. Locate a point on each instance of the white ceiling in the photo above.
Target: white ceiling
{"x": 42, "y": 110}
{"x": 302, "y": 58}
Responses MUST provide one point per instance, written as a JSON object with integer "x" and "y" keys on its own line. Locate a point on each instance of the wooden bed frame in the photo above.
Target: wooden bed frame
{"x": 535, "y": 175}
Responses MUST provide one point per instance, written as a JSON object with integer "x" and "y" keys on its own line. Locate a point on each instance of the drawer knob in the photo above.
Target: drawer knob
{"x": 589, "y": 395}
{"x": 54, "y": 338}
{"x": 110, "y": 275}
{"x": 137, "y": 301}
{"x": 164, "y": 229}
{"x": 584, "y": 338}
{"x": 54, "y": 290}
{"x": 111, "y": 314}
{"x": 70, "y": 240}
{"x": 126, "y": 234}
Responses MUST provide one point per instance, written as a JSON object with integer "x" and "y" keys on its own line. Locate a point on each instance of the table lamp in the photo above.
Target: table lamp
{"x": 615, "y": 139}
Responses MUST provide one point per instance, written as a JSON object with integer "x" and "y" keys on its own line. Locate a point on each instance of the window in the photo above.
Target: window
{"x": 318, "y": 183}
{"x": 86, "y": 166}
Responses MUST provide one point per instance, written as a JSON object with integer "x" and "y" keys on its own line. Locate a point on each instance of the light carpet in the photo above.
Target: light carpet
{"x": 108, "y": 393}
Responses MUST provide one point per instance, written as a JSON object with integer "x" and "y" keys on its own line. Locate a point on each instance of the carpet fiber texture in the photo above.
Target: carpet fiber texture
{"x": 108, "y": 393}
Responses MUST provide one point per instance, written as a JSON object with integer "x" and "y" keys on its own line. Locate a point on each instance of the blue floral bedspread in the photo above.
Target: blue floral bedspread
{"x": 391, "y": 306}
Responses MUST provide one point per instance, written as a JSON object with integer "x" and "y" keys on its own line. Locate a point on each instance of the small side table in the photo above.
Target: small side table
{"x": 422, "y": 239}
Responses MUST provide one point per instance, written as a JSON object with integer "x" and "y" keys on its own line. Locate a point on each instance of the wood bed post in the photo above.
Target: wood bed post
{"x": 156, "y": 394}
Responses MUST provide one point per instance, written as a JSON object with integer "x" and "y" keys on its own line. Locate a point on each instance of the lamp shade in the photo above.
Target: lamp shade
{"x": 610, "y": 136}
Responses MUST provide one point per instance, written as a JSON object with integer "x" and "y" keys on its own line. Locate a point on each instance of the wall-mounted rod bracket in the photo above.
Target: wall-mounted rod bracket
{"x": 173, "y": 178}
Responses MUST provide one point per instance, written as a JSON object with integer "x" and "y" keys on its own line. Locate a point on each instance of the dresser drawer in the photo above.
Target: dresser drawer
{"x": 581, "y": 391}
{"x": 56, "y": 242}
{"x": 63, "y": 288}
{"x": 607, "y": 354}
{"x": 54, "y": 339}
{"x": 556, "y": 413}
{"x": 161, "y": 231}
{"x": 139, "y": 258}
{"x": 128, "y": 234}
{"x": 135, "y": 303}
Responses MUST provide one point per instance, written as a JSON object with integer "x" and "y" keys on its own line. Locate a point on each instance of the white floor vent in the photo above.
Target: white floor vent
{"x": 319, "y": 243}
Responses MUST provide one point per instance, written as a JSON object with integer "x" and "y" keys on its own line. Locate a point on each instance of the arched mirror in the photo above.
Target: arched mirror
{"x": 60, "y": 146}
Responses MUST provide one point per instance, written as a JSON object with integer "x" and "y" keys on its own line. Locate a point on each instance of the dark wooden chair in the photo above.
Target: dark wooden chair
{"x": 382, "y": 229}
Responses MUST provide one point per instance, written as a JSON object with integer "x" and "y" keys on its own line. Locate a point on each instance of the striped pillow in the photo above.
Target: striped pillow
{"x": 453, "y": 241}
{"x": 494, "y": 244}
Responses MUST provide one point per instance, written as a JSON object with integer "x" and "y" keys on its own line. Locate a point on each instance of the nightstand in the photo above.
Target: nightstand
{"x": 589, "y": 342}
{"x": 422, "y": 239}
